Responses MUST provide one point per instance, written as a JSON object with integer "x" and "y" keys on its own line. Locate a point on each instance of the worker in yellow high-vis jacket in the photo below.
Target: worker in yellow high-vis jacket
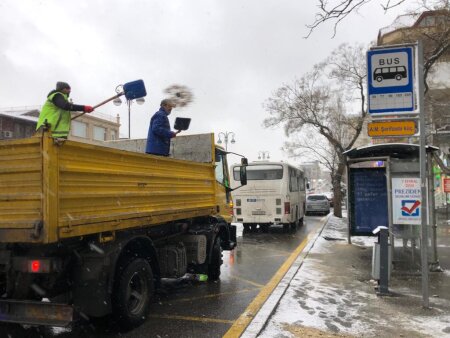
{"x": 56, "y": 111}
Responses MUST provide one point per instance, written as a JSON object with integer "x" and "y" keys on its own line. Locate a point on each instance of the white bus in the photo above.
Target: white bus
{"x": 275, "y": 194}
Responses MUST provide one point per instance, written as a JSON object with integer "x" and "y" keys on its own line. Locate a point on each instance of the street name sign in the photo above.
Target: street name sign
{"x": 391, "y": 128}
{"x": 390, "y": 80}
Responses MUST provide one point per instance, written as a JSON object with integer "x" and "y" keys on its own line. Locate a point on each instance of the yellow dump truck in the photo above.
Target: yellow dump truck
{"x": 91, "y": 230}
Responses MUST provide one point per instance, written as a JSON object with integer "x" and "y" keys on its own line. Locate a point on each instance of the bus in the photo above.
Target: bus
{"x": 386, "y": 73}
{"x": 275, "y": 194}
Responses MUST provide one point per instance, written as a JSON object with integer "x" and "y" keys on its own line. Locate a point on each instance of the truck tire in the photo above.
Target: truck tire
{"x": 133, "y": 291}
{"x": 215, "y": 262}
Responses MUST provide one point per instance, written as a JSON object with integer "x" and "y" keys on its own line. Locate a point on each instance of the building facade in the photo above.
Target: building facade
{"x": 89, "y": 128}
{"x": 432, "y": 28}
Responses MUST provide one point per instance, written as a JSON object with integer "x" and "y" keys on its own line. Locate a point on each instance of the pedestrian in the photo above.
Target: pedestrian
{"x": 159, "y": 133}
{"x": 56, "y": 111}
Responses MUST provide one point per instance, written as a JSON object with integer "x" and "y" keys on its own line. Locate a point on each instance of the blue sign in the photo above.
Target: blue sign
{"x": 390, "y": 80}
{"x": 368, "y": 200}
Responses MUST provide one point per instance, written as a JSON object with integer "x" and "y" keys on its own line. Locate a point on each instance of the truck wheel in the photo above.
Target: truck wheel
{"x": 133, "y": 291}
{"x": 216, "y": 261}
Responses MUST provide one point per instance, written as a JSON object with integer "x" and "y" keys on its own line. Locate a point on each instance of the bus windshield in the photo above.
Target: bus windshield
{"x": 260, "y": 172}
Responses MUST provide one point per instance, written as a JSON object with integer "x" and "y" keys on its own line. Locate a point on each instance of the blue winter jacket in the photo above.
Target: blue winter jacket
{"x": 159, "y": 134}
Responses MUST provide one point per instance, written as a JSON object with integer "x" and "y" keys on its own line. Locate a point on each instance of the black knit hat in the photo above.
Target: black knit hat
{"x": 62, "y": 85}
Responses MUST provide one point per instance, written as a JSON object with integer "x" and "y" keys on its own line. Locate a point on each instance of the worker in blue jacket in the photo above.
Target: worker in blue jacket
{"x": 159, "y": 133}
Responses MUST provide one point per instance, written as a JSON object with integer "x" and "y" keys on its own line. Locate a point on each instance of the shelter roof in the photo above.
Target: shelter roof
{"x": 395, "y": 150}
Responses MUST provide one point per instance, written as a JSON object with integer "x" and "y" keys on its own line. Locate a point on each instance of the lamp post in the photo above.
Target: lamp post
{"x": 118, "y": 102}
{"x": 263, "y": 154}
{"x": 225, "y": 136}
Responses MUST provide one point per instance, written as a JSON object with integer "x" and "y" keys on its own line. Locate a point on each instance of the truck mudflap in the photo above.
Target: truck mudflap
{"x": 35, "y": 313}
{"x": 232, "y": 242}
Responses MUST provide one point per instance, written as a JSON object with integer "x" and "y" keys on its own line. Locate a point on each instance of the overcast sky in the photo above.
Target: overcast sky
{"x": 232, "y": 53}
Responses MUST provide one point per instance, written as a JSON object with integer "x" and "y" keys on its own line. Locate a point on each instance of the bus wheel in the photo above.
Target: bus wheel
{"x": 301, "y": 221}
{"x": 132, "y": 294}
{"x": 294, "y": 225}
{"x": 265, "y": 227}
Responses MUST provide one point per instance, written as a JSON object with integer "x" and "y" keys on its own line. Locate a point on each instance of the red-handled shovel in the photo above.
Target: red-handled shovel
{"x": 131, "y": 90}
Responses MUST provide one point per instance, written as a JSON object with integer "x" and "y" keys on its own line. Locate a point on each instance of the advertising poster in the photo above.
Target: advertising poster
{"x": 368, "y": 199}
{"x": 406, "y": 200}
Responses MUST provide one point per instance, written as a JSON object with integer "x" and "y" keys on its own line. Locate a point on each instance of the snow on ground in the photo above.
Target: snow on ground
{"x": 309, "y": 302}
{"x": 348, "y": 306}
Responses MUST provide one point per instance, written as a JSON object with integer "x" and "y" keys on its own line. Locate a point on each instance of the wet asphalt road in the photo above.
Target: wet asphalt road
{"x": 185, "y": 308}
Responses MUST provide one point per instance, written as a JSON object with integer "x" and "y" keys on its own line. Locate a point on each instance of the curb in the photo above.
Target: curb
{"x": 262, "y": 317}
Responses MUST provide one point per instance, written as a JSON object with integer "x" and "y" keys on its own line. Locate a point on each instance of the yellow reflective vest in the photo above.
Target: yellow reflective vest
{"x": 59, "y": 119}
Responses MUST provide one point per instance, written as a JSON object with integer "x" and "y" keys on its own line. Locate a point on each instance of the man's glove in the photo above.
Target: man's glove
{"x": 88, "y": 109}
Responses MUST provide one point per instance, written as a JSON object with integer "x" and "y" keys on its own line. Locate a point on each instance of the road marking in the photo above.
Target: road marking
{"x": 248, "y": 281}
{"x": 277, "y": 250}
{"x": 215, "y": 295}
{"x": 193, "y": 319}
{"x": 246, "y": 317}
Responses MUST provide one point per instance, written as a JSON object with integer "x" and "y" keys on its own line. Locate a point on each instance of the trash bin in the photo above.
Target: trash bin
{"x": 376, "y": 261}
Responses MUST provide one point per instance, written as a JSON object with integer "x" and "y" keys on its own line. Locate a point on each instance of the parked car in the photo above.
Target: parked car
{"x": 317, "y": 203}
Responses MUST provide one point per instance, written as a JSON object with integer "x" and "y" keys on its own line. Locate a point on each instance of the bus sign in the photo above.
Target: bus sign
{"x": 390, "y": 80}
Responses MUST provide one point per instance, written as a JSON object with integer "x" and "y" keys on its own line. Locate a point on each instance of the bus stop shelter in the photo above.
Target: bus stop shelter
{"x": 384, "y": 190}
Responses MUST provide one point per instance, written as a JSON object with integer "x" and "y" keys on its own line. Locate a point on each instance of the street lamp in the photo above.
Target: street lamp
{"x": 225, "y": 138}
{"x": 117, "y": 101}
{"x": 263, "y": 154}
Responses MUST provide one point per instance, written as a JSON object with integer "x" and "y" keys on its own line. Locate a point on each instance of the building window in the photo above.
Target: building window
{"x": 79, "y": 129}
{"x": 99, "y": 133}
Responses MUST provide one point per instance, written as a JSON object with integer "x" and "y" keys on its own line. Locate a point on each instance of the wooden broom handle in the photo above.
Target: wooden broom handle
{"x": 100, "y": 104}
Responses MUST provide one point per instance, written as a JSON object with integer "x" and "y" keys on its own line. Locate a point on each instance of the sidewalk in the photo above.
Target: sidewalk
{"x": 329, "y": 292}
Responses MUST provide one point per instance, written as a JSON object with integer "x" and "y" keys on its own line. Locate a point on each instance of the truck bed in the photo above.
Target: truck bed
{"x": 50, "y": 192}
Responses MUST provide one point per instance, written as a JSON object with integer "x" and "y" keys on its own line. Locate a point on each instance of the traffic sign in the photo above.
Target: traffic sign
{"x": 390, "y": 80}
{"x": 391, "y": 128}
{"x": 446, "y": 185}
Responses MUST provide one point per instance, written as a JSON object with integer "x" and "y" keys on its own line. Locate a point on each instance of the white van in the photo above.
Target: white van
{"x": 275, "y": 194}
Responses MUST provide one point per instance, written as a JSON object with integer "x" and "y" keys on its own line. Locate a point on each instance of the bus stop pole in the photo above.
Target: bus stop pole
{"x": 389, "y": 206}
{"x": 434, "y": 264}
{"x": 423, "y": 173}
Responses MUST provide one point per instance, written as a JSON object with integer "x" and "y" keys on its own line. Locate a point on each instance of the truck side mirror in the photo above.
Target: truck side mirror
{"x": 243, "y": 174}
{"x": 244, "y": 161}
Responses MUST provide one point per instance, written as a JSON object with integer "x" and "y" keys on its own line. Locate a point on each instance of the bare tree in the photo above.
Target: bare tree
{"x": 314, "y": 146}
{"x": 337, "y": 10}
{"x": 324, "y": 101}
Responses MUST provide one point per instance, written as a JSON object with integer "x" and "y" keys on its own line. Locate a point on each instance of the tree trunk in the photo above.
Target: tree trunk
{"x": 336, "y": 180}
